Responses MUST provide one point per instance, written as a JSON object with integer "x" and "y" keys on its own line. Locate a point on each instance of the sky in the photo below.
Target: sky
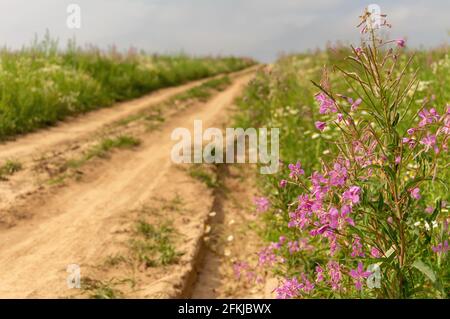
{"x": 261, "y": 29}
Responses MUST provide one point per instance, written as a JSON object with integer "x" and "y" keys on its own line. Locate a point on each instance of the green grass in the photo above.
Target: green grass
{"x": 201, "y": 93}
{"x": 154, "y": 244}
{"x": 202, "y": 174}
{"x": 9, "y": 168}
{"x": 204, "y": 90}
{"x": 41, "y": 85}
{"x": 97, "y": 289}
{"x": 103, "y": 148}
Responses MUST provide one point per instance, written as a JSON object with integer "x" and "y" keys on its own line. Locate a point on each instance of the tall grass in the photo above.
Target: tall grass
{"x": 41, "y": 85}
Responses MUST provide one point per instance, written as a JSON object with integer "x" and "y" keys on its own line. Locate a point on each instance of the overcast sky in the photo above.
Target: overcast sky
{"x": 257, "y": 28}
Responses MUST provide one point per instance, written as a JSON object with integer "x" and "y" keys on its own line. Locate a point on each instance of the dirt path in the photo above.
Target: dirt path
{"x": 74, "y": 224}
{"x": 233, "y": 240}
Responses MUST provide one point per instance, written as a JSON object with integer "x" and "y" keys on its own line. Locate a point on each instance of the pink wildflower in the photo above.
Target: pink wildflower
{"x": 358, "y": 275}
{"x": 415, "y": 193}
{"x": 293, "y": 247}
{"x": 428, "y": 117}
{"x": 375, "y": 252}
{"x": 357, "y": 248}
{"x": 334, "y": 271}
{"x": 320, "y": 125}
{"x": 430, "y": 142}
{"x": 319, "y": 274}
{"x": 327, "y": 105}
{"x": 400, "y": 42}
{"x": 411, "y": 131}
{"x": 352, "y": 194}
{"x": 290, "y": 288}
{"x": 262, "y": 204}
{"x": 296, "y": 170}
{"x": 410, "y": 141}
{"x": 338, "y": 175}
{"x": 441, "y": 248}
{"x": 354, "y": 104}
{"x": 283, "y": 183}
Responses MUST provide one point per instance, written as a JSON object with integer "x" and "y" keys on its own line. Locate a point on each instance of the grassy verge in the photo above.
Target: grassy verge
{"x": 41, "y": 85}
{"x": 283, "y": 96}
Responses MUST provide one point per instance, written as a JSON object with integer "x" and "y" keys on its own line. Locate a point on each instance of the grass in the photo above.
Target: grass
{"x": 204, "y": 90}
{"x": 98, "y": 289}
{"x": 154, "y": 244}
{"x": 103, "y": 148}
{"x": 41, "y": 85}
{"x": 9, "y": 168}
{"x": 200, "y": 173}
{"x": 199, "y": 93}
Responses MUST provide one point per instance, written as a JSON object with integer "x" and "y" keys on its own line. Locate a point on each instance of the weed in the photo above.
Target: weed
{"x": 103, "y": 148}
{"x": 9, "y": 168}
{"x": 200, "y": 173}
{"x": 154, "y": 245}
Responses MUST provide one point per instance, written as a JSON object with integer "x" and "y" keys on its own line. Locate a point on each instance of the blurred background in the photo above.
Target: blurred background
{"x": 257, "y": 28}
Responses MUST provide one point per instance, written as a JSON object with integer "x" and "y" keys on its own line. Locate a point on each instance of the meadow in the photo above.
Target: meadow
{"x": 360, "y": 206}
{"x": 42, "y": 84}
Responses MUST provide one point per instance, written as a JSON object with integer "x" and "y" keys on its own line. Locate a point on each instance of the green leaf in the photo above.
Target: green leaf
{"x": 424, "y": 269}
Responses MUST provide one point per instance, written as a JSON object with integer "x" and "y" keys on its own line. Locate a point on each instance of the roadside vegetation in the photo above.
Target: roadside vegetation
{"x": 359, "y": 207}
{"x": 41, "y": 84}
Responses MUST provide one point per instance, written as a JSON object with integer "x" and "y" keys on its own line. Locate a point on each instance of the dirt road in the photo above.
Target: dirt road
{"x": 72, "y": 224}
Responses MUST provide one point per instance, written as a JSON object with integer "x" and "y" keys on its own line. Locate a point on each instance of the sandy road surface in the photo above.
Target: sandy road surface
{"x": 72, "y": 225}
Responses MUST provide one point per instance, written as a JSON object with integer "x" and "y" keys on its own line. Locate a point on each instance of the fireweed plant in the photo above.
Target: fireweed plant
{"x": 353, "y": 230}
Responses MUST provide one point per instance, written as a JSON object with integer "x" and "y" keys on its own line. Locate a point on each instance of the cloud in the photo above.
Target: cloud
{"x": 259, "y": 28}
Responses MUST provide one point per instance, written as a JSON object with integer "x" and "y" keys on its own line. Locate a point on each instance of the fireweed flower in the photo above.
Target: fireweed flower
{"x": 334, "y": 271}
{"x": 293, "y": 247}
{"x": 441, "y": 248}
{"x": 290, "y": 288}
{"x": 415, "y": 193}
{"x": 430, "y": 142}
{"x": 352, "y": 194}
{"x": 283, "y": 183}
{"x": 358, "y": 275}
{"x": 375, "y": 253}
{"x": 267, "y": 256}
{"x": 319, "y": 274}
{"x": 262, "y": 204}
{"x": 326, "y": 104}
{"x": 296, "y": 170}
{"x": 338, "y": 175}
{"x": 411, "y": 142}
{"x": 357, "y": 248}
{"x": 354, "y": 104}
{"x": 428, "y": 117}
{"x": 307, "y": 285}
{"x": 400, "y": 42}
{"x": 320, "y": 125}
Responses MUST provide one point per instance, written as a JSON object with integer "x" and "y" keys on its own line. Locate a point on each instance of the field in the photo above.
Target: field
{"x": 42, "y": 84}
